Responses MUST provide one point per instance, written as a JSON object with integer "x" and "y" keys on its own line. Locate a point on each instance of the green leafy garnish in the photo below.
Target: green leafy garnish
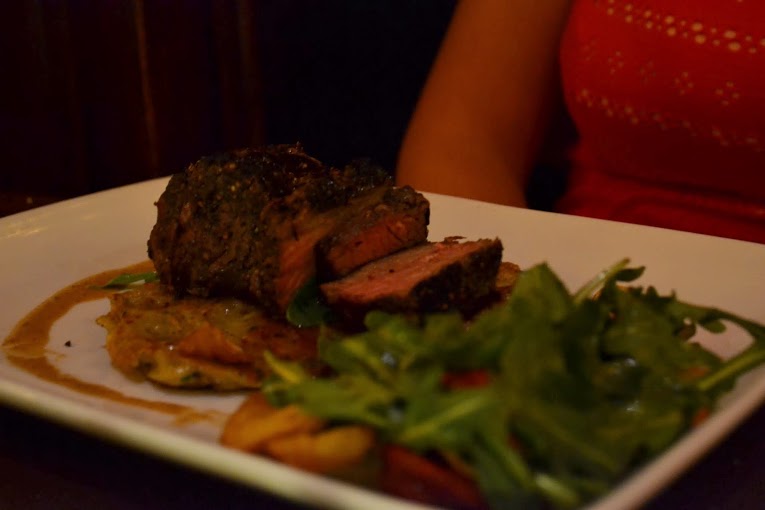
{"x": 306, "y": 308}
{"x": 590, "y": 384}
{"x": 124, "y": 281}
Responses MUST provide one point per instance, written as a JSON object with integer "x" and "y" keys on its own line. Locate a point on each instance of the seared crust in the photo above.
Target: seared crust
{"x": 245, "y": 223}
{"x": 398, "y": 220}
{"x": 431, "y": 277}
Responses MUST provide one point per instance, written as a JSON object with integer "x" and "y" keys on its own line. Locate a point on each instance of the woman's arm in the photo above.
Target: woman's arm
{"x": 479, "y": 121}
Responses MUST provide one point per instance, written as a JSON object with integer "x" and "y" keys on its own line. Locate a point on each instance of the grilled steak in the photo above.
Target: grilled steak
{"x": 398, "y": 220}
{"x": 255, "y": 223}
{"x": 427, "y": 278}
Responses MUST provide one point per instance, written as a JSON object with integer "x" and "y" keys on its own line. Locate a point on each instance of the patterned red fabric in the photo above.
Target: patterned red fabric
{"x": 668, "y": 97}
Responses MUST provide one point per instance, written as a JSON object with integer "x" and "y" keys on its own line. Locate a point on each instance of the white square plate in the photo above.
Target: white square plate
{"x": 46, "y": 249}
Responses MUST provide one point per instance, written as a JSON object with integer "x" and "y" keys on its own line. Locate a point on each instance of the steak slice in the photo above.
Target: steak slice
{"x": 430, "y": 277}
{"x": 399, "y": 220}
{"x": 247, "y": 223}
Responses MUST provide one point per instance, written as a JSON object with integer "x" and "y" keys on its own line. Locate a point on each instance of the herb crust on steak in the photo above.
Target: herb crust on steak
{"x": 252, "y": 223}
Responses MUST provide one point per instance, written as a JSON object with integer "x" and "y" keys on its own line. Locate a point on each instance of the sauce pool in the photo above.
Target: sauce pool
{"x": 26, "y": 346}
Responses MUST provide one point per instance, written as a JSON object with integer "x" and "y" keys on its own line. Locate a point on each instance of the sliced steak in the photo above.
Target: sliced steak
{"x": 427, "y": 278}
{"x": 247, "y": 223}
{"x": 398, "y": 220}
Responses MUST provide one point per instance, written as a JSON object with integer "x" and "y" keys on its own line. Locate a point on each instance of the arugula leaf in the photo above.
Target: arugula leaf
{"x": 504, "y": 477}
{"x": 644, "y": 330}
{"x": 306, "y": 309}
{"x": 590, "y": 384}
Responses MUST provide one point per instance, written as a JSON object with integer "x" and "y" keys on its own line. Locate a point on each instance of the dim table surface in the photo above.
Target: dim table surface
{"x": 46, "y": 466}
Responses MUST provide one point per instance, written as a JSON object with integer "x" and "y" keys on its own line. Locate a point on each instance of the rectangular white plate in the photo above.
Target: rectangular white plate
{"x": 46, "y": 249}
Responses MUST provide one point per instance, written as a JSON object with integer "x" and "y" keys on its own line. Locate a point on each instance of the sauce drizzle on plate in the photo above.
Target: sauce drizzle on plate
{"x": 26, "y": 346}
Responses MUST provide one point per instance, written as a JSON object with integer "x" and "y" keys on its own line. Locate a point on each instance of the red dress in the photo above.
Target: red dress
{"x": 668, "y": 97}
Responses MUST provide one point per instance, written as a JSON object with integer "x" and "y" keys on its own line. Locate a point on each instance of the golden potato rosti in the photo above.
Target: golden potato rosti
{"x": 198, "y": 343}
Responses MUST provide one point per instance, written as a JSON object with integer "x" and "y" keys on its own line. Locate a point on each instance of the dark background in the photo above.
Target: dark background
{"x": 343, "y": 76}
{"x": 101, "y": 93}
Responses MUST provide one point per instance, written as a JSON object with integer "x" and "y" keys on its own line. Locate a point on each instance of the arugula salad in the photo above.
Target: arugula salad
{"x": 547, "y": 400}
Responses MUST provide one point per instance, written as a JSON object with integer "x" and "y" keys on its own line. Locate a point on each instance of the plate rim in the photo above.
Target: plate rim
{"x": 635, "y": 490}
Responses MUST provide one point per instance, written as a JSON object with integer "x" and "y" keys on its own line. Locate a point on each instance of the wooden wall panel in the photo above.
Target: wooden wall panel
{"x": 100, "y": 93}
{"x": 39, "y": 132}
{"x": 108, "y": 76}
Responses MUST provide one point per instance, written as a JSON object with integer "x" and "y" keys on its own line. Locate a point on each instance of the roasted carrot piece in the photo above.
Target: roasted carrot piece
{"x": 324, "y": 452}
{"x": 209, "y": 342}
{"x": 256, "y": 422}
{"x": 408, "y": 475}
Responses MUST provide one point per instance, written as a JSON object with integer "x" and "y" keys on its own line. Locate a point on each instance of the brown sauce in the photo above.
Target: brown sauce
{"x": 26, "y": 346}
